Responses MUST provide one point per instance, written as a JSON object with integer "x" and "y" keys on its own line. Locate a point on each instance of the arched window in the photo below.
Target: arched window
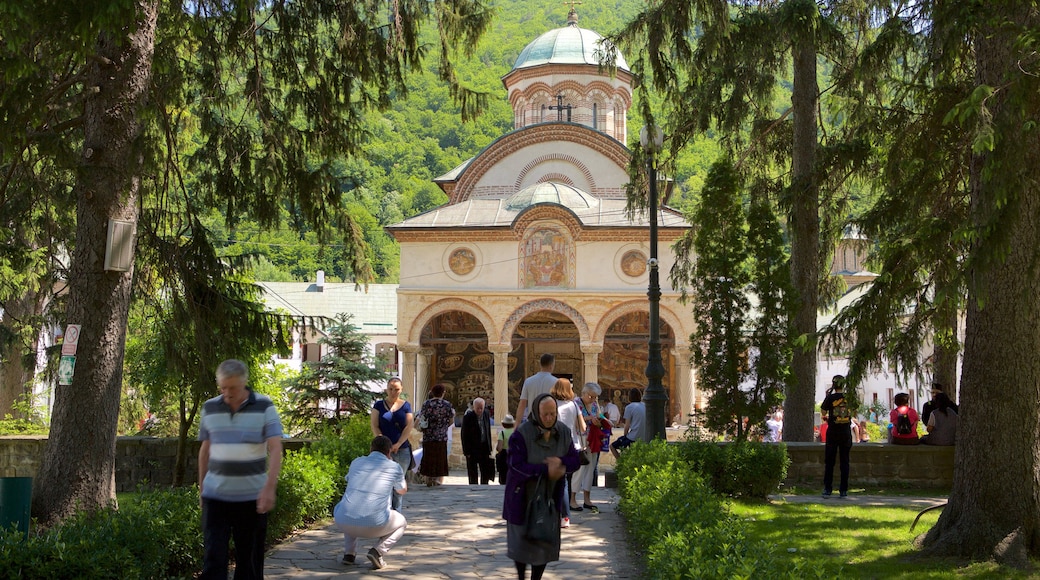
{"x": 595, "y": 116}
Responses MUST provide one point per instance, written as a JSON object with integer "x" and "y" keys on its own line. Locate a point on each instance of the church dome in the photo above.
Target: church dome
{"x": 567, "y": 45}
{"x": 551, "y": 192}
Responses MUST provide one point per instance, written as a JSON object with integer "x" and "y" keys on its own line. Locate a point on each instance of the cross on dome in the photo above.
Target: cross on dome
{"x": 572, "y": 14}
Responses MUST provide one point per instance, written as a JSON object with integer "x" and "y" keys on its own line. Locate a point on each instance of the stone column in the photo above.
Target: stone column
{"x": 422, "y": 374}
{"x": 408, "y": 373}
{"x": 590, "y": 353}
{"x": 684, "y": 388}
{"x": 501, "y": 352}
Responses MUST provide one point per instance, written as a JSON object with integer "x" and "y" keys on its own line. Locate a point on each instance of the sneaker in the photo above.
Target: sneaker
{"x": 826, "y": 495}
{"x": 347, "y": 559}
{"x": 566, "y": 523}
{"x": 843, "y": 496}
{"x": 376, "y": 559}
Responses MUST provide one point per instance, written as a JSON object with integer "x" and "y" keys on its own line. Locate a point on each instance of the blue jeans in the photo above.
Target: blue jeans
{"x": 222, "y": 520}
{"x": 403, "y": 457}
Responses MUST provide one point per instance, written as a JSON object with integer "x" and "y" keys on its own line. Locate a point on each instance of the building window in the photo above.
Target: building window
{"x": 387, "y": 351}
{"x": 595, "y": 116}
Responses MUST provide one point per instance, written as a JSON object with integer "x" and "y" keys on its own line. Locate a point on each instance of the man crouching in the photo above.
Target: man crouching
{"x": 364, "y": 511}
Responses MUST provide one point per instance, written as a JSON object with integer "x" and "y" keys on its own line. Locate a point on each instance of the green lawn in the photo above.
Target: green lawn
{"x": 869, "y": 542}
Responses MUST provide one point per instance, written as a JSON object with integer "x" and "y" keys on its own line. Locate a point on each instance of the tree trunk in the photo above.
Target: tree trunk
{"x": 78, "y": 469}
{"x": 944, "y": 362}
{"x": 18, "y": 367}
{"x": 805, "y": 245}
{"x": 994, "y": 508}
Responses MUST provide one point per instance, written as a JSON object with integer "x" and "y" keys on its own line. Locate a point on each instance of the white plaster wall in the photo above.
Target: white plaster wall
{"x": 425, "y": 264}
{"x": 604, "y": 172}
{"x": 599, "y": 267}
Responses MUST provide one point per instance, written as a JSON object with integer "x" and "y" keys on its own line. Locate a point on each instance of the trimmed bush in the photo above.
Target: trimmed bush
{"x": 156, "y": 536}
{"x": 306, "y": 489}
{"x": 684, "y": 529}
{"x": 746, "y": 469}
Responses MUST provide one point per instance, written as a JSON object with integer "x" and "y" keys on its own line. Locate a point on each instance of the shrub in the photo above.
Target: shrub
{"x": 306, "y": 490}
{"x": 748, "y": 469}
{"x": 154, "y": 537}
{"x": 354, "y": 441}
{"x": 684, "y": 527}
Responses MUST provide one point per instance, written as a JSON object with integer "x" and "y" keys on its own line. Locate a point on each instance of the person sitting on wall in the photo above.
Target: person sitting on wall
{"x": 903, "y": 420}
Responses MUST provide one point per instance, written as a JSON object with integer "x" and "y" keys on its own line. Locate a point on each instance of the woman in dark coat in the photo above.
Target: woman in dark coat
{"x": 439, "y": 417}
{"x": 538, "y": 447}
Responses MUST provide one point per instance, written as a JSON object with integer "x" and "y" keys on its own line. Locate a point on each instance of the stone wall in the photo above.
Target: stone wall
{"x": 149, "y": 461}
{"x": 876, "y": 464}
{"x": 140, "y": 461}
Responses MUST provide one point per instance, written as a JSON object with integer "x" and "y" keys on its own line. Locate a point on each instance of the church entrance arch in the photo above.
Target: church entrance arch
{"x": 455, "y": 345}
{"x": 540, "y": 332}
{"x": 622, "y": 364}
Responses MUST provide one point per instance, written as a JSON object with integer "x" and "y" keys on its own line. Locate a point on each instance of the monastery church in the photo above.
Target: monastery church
{"x": 534, "y": 253}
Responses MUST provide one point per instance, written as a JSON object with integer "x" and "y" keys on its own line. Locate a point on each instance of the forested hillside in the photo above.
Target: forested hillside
{"x": 422, "y": 136}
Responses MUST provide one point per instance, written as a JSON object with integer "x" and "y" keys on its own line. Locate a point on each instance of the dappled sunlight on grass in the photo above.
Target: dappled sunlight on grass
{"x": 868, "y": 541}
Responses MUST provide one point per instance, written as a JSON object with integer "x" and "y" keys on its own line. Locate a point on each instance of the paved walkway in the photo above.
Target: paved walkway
{"x": 456, "y": 531}
{"x": 918, "y": 502}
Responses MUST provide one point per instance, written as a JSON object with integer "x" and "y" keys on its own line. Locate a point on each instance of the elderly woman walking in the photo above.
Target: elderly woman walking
{"x": 541, "y": 453}
{"x": 438, "y": 416}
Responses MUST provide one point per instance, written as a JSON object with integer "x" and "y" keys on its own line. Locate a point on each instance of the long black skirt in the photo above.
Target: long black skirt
{"x": 434, "y": 459}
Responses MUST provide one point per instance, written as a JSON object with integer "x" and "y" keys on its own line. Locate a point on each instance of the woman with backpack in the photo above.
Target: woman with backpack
{"x": 903, "y": 422}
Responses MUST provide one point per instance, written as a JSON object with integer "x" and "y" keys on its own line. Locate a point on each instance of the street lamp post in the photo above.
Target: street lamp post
{"x": 655, "y": 398}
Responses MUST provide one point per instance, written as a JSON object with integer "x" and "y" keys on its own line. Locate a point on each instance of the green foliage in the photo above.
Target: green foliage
{"x": 699, "y": 537}
{"x": 725, "y": 260}
{"x": 338, "y": 380}
{"x": 306, "y": 489}
{"x": 743, "y": 469}
{"x": 353, "y": 439}
{"x": 156, "y": 536}
{"x": 25, "y": 421}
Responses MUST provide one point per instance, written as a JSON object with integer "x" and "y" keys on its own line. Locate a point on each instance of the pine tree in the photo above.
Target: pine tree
{"x": 339, "y": 384}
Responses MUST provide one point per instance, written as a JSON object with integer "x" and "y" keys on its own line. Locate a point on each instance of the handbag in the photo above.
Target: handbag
{"x": 422, "y": 422}
{"x": 584, "y": 457}
{"x": 542, "y": 523}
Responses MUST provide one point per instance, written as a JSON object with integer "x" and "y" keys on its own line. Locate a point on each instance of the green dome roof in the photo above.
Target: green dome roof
{"x": 567, "y": 45}
{"x": 551, "y": 192}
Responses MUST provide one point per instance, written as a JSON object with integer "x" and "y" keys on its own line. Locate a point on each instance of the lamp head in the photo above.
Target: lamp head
{"x": 651, "y": 138}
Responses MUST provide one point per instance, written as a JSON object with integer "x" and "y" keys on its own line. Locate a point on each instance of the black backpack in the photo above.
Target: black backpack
{"x": 903, "y": 425}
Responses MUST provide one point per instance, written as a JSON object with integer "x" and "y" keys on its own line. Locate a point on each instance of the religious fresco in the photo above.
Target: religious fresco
{"x": 546, "y": 259}
{"x": 463, "y": 364}
{"x": 633, "y": 263}
{"x": 622, "y": 364}
{"x": 462, "y": 261}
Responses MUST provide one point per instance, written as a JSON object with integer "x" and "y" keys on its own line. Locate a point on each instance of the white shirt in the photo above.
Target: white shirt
{"x": 567, "y": 414}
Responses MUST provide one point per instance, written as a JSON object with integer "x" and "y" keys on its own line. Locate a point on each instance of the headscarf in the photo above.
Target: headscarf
{"x": 535, "y": 416}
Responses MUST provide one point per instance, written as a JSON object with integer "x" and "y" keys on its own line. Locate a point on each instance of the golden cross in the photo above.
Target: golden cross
{"x": 573, "y": 3}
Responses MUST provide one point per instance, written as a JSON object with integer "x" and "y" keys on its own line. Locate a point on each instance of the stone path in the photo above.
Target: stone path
{"x": 456, "y": 531}
{"x": 862, "y": 500}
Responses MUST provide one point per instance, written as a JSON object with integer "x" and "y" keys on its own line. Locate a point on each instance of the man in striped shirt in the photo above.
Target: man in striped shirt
{"x": 239, "y": 462}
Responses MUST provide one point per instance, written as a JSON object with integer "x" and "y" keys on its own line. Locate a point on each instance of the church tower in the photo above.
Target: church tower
{"x": 558, "y": 77}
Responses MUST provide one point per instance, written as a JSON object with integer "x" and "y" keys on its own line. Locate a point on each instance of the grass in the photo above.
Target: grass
{"x": 869, "y": 542}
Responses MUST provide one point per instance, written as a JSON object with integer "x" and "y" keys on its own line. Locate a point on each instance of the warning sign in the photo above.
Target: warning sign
{"x": 71, "y": 340}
